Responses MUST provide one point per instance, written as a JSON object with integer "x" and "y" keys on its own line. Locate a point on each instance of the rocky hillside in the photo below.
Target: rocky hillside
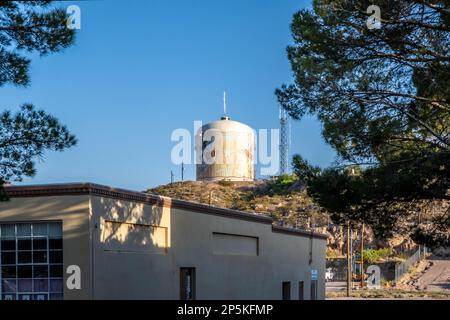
{"x": 283, "y": 199}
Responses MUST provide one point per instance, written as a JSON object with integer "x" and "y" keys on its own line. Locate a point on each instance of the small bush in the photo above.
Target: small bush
{"x": 372, "y": 255}
{"x": 384, "y": 253}
{"x": 282, "y": 184}
{"x": 285, "y": 179}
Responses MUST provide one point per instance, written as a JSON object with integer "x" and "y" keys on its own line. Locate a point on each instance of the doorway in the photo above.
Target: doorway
{"x": 187, "y": 283}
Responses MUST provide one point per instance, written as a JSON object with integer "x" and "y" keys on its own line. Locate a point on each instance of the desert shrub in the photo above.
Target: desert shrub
{"x": 285, "y": 179}
{"x": 384, "y": 253}
{"x": 374, "y": 255}
{"x": 282, "y": 184}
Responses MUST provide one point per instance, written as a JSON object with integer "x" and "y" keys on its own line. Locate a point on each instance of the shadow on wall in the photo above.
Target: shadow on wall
{"x": 37, "y": 209}
{"x": 127, "y": 226}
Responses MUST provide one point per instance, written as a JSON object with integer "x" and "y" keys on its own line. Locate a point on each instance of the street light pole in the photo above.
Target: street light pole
{"x": 361, "y": 261}
{"x": 349, "y": 267}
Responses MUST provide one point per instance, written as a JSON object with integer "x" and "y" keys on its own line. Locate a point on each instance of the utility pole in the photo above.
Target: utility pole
{"x": 311, "y": 227}
{"x": 351, "y": 251}
{"x": 349, "y": 267}
{"x": 361, "y": 261}
{"x": 171, "y": 176}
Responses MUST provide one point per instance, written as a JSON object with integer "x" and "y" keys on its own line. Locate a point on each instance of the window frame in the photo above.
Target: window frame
{"x": 32, "y": 236}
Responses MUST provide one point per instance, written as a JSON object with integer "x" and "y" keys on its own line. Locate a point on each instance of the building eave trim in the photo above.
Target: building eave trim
{"x": 299, "y": 232}
{"x": 143, "y": 197}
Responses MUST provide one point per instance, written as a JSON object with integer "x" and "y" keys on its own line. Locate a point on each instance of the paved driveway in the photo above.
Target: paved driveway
{"x": 437, "y": 277}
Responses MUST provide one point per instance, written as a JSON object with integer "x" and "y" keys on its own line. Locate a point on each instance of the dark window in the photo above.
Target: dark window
{"x": 286, "y": 290}
{"x": 9, "y": 285}
{"x": 301, "y": 290}
{"x": 40, "y": 244}
{"x": 40, "y": 257}
{"x": 40, "y": 285}
{"x": 8, "y": 245}
{"x": 56, "y": 256}
{"x": 55, "y": 243}
{"x": 24, "y": 272}
{"x": 56, "y": 271}
{"x": 187, "y": 283}
{"x": 40, "y": 271}
{"x": 24, "y": 244}
{"x": 25, "y": 285}
{"x": 8, "y": 272}
{"x": 313, "y": 289}
{"x": 8, "y": 257}
{"x": 24, "y": 257}
{"x": 56, "y": 285}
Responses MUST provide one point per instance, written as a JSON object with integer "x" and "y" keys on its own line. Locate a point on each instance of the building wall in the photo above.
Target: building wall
{"x": 73, "y": 212}
{"x": 234, "y": 258}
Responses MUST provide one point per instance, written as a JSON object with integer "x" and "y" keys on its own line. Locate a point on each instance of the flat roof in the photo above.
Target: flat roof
{"x": 87, "y": 188}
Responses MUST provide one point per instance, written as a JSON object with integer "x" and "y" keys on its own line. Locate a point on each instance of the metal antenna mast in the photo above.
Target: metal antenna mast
{"x": 284, "y": 141}
{"x": 224, "y": 103}
{"x": 182, "y": 171}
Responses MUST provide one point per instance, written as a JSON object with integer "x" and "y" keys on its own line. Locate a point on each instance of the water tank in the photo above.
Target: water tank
{"x": 225, "y": 151}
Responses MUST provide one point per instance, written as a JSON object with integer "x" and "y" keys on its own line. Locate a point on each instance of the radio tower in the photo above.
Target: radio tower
{"x": 285, "y": 137}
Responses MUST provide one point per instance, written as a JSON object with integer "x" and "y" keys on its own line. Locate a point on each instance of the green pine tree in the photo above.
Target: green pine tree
{"x": 28, "y": 27}
{"x": 383, "y": 97}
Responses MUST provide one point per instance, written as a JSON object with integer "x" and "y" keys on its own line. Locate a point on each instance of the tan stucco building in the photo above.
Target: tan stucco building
{"x": 87, "y": 241}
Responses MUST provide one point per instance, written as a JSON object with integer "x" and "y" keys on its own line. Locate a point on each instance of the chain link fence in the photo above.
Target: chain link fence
{"x": 405, "y": 266}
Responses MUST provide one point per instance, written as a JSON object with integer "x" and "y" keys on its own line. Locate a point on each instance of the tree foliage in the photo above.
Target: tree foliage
{"x": 28, "y": 27}
{"x": 25, "y": 136}
{"x": 383, "y": 97}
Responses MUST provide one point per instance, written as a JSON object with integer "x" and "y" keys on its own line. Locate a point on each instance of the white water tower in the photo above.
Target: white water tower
{"x": 227, "y": 151}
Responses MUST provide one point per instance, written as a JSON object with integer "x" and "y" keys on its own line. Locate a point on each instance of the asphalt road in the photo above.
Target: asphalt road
{"x": 335, "y": 286}
{"x": 437, "y": 277}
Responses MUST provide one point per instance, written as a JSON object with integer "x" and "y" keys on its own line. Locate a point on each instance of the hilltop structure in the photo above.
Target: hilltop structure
{"x": 227, "y": 150}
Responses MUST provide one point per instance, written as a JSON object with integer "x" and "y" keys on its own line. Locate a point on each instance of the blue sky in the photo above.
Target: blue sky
{"x": 140, "y": 69}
